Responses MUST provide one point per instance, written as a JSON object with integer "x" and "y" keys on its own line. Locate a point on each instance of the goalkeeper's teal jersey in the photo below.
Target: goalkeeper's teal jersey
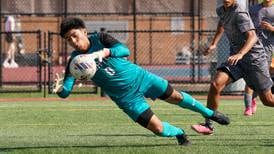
{"x": 115, "y": 75}
{"x": 126, "y": 83}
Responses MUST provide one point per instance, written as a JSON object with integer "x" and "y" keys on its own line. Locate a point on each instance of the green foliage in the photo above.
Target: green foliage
{"x": 101, "y": 127}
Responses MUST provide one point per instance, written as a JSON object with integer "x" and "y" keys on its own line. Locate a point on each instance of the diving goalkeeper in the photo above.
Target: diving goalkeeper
{"x": 127, "y": 84}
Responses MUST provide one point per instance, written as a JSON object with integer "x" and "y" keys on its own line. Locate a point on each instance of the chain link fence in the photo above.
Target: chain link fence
{"x": 165, "y": 37}
{"x": 23, "y": 72}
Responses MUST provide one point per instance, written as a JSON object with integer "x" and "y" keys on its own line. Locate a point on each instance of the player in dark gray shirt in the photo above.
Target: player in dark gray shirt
{"x": 247, "y": 59}
{"x": 262, "y": 16}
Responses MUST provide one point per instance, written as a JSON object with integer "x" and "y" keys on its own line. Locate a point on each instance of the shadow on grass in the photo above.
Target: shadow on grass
{"x": 116, "y": 135}
{"x": 10, "y": 149}
{"x": 236, "y": 142}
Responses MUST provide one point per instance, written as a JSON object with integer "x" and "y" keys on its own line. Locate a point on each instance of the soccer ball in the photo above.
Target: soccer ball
{"x": 83, "y": 67}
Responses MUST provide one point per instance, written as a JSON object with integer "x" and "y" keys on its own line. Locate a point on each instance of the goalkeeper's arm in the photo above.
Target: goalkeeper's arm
{"x": 116, "y": 48}
{"x": 65, "y": 88}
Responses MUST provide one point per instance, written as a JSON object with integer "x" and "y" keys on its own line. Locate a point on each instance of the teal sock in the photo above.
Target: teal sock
{"x": 247, "y": 100}
{"x": 170, "y": 131}
{"x": 191, "y": 103}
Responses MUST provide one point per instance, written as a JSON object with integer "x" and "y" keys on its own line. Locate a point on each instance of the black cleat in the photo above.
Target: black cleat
{"x": 220, "y": 118}
{"x": 182, "y": 140}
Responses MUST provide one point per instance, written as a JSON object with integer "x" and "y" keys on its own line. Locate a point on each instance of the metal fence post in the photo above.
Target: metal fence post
{"x": 1, "y": 77}
{"x": 134, "y": 31}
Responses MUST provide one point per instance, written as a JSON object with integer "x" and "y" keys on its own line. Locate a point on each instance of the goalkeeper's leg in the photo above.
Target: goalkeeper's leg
{"x": 185, "y": 100}
{"x": 150, "y": 121}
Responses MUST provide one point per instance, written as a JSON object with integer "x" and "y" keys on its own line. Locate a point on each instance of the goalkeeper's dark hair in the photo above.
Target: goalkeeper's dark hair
{"x": 71, "y": 23}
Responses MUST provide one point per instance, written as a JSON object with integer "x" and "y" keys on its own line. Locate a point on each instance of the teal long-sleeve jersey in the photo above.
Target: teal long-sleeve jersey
{"x": 115, "y": 75}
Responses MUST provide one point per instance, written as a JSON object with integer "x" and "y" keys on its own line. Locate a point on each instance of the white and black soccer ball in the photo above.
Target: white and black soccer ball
{"x": 83, "y": 67}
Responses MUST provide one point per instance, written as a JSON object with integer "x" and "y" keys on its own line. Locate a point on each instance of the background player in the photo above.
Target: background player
{"x": 262, "y": 16}
{"x": 126, "y": 83}
{"x": 247, "y": 59}
{"x": 9, "y": 61}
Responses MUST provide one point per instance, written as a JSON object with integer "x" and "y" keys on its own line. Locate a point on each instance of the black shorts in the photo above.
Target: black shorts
{"x": 9, "y": 37}
{"x": 256, "y": 74}
{"x": 145, "y": 117}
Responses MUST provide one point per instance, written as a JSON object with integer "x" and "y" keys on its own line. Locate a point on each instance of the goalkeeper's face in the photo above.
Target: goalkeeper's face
{"x": 78, "y": 39}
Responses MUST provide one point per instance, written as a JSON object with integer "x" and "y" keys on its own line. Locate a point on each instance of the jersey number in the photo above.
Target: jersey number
{"x": 109, "y": 71}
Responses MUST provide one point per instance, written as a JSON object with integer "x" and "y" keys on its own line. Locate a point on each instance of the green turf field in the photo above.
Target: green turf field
{"x": 100, "y": 127}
